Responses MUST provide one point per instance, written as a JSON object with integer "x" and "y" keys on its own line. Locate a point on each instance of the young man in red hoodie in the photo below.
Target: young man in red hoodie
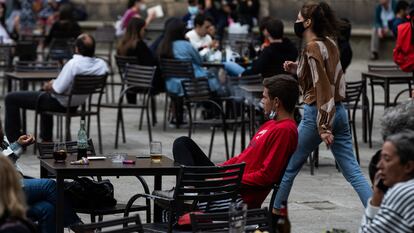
{"x": 270, "y": 148}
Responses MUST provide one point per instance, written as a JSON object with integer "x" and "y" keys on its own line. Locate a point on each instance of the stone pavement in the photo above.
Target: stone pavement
{"x": 317, "y": 203}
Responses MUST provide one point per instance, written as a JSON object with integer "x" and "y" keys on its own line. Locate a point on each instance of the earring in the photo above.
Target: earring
{"x": 272, "y": 114}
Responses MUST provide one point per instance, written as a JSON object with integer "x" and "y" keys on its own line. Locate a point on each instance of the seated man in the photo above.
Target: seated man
{"x": 270, "y": 149}
{"x": 40, "y": 194}
{"x": 199, "y": 37}
{"x": 82, "y": 63}
{"x": 393, "y": 211}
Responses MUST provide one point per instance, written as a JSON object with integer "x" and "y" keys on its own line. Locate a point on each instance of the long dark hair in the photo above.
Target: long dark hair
{"x": 132, "y": 35}
{"x": 324, "y": 21}
{"x": 3, "y": 17}
{"x": 131, "y": 3}
{"x": 175, "y": 30}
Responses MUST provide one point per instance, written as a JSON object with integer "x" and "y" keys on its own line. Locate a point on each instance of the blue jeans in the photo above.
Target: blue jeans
{"x": 233, "y": 69}
{"x": 41, "y": 198}
{"x": 341, "y": 148}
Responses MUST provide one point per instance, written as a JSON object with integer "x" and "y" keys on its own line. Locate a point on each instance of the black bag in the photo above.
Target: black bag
{"x": 84, "y": 192}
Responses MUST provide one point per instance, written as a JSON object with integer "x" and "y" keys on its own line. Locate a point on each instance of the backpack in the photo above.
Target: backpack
{"x": 404, "y": 48}
{"x": 84, "y": 192}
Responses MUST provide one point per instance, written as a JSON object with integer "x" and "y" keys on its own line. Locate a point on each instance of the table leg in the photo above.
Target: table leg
{"x": 9, "y": 84}
{"x": 243, "y": 128}
{"x": 157, "y": 209}
{"x": 59, "y": 203}
{"x": 364, "y": 109}
{"x": 387, "y": 93}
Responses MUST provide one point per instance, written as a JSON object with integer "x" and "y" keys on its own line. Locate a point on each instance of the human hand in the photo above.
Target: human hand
{"x": 378, "y": 193}
{"x": 328, "y": 138}
{"x": 380, "y": 33}
{"x": 48, "y": 86}
{"x": 290, "y": 66}
{"x": 26, "y": 140}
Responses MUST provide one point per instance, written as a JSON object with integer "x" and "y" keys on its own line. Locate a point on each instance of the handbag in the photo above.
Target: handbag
{"x": 84, "y": 192}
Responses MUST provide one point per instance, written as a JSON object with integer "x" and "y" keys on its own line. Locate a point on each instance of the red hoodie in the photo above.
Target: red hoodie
{"x": 266, "y": 157}
{"x": 404, "y": 48}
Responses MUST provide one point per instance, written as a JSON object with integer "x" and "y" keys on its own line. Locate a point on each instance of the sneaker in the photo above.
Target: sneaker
{"x": 374, "y": 56}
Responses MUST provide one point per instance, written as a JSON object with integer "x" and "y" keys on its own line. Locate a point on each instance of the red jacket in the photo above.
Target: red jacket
{"x": 404, "y": 48}
{"x": 266, "y": 158}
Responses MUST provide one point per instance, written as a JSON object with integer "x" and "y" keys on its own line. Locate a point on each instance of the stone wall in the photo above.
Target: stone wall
{"x": 360, "y": 12}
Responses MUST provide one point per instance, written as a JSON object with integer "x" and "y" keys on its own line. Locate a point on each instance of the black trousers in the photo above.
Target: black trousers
{"x": 187, "y": 152}
{"x": 15, "y": 101}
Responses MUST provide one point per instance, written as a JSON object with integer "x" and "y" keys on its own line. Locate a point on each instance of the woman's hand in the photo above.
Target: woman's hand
{"x": 378, "y": 194}
{"x": 290, "y": 66}
{"x": 26, "y": 140}
{"x": 328, "y": 138}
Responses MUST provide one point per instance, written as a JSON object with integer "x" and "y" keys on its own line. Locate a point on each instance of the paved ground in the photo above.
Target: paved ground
{"x": 317, "y": 203}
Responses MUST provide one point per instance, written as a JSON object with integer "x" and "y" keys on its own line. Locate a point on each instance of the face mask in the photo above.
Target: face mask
{"x": 193, "y": 10}
{"x": 143, "y": 7}
{"x": 299, "y": 29}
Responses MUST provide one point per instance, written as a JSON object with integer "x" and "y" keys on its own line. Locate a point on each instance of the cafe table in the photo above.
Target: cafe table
{"x": 25, "y": 77}
{"x": 252, "y": 95}
{"x": 105, "y": 167}
{"x": 388, "y": 78}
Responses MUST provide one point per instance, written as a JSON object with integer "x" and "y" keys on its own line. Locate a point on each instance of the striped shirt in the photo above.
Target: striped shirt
{"x": 321, "y": 79}
{"x": 396, "y": 213}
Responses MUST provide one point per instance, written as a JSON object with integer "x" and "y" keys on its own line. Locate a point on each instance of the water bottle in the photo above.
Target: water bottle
{"x": 82, "y": 141}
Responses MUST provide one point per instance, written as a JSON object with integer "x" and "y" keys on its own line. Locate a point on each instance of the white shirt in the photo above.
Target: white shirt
{"x": 198, "y": 42}
{"x": 4, "y": 36}
{"x": 78, "y": 65}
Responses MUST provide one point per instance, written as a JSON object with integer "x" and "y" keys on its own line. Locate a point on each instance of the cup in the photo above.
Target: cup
{"x": 59, "y": 152}
{"x": 156, "y": 151}
{"x": 237, "y": 217}
{"x": 118, "y": 157}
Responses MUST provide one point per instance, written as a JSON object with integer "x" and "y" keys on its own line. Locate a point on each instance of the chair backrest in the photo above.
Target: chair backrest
{"x": 383, "y": 67}
{"x": 121, "y": 62}
{"x": 353, "y": 94}
{"x": 46, "y": 148}
{"x": 37, "y": 66}
{"x": 139, "y": 77}
{"x": 254, "y": 79}
{"x": 26, "y": 50}
{"x": 6, "y": 57}
{"x": 208, "y": 183}
{"x": 105, "y": 34}
{"x": 172, "y": 68}
{"x": 256, "y": 219}
{"x": 61, "y": 49}
{"x": 122, "y": 225}
{"x": 196, "y": 89}
{"x": 88, "y": 85}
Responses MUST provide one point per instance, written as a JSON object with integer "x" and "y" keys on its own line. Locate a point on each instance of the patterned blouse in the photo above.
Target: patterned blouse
{"x": 321, "y": 79}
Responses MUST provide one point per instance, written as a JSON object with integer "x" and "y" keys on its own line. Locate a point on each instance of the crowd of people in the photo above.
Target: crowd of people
{"x": 280, "y": 146}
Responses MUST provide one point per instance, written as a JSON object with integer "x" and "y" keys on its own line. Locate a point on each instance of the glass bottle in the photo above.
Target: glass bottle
{"x": 82, "y": 141}
{"x": 283, "y": 223}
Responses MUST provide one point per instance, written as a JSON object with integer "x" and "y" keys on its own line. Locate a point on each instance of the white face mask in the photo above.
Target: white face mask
{"x": 143, "y": 7}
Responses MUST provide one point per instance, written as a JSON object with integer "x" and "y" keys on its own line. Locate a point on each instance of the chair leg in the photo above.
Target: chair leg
{"x": 93, "y": 218}
{"x": 68, "y": 134}
{"x": 35, "y": 133}
{"x": 141, "y": 116}
{"x": 154, "y": 110}
{"x": 99, "y": 132}
{"x": 213, "y": 132}
{"x": 149, "y": 123}
{"x": 165, "y": 112}
{"x": 233, "y": 146}
{"x": 122, "y": 127}
{"x": 117, "y": 128}
{"x": 226, "y": 142}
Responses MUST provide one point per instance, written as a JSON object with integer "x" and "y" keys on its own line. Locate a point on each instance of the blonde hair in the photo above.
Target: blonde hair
{"x": 12, "y": 201}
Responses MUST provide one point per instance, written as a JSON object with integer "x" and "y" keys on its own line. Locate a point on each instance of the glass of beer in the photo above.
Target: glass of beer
{"x": 59, "y": 152}
{"x": 156, "y": 151}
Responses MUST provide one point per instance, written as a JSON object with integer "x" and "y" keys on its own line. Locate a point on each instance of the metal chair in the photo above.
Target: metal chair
{"x": 60, "y": 49}
{"x": 256, "y": 219}
{"x": 121, "y": 225}
{"x": 46, "y": 151}
{"x": 26, "y": 50}
{"x": 137, "y": 79}
{"x": 194, "y": 185}
{"x": 121, "y": 62}
{"x": 172, "y": 68}
{"x": 6, "y": 62}
{"x": 87, "y": 86}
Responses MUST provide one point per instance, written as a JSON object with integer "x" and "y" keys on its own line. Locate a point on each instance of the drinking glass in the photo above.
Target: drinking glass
{"x": 59, "y": 152}
{"x": 156, "y": 151}
{"x": 237, "y": 217}
{"x": 117, "y": 157}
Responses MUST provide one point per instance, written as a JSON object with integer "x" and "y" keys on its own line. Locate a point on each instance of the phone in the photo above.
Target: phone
{"x": 382, "y": 186}
{"x": 128, "y": 161}
{"x": 143, "y": 156}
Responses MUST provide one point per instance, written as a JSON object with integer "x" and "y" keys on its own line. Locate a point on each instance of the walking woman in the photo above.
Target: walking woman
{"x": 323, "y": 85}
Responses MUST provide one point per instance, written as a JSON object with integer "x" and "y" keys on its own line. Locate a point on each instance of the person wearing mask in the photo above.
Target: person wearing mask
{"x": 135, "y": 9}
{"x": 384, "y": 12}
{"x": 400, "y": 16}
{"x": 323, "y": 86}
{"x": 393, "y": 210}
{"x": 270, "y": 148}
{"x": 193, "y": 10}
{"x": 404, "y": 47}
{"x": 54, "y": 97}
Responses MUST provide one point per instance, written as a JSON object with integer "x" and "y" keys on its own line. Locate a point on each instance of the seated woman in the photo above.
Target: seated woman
{"x": 40, "y": 194}
{"x": 12, "y": 203}
{"x": 393, "y": 211}
{"x": 4, "y": 34}
{"x": 270, "y": 148}
{"x": 271, "y": 59}
{"x": 65, "y": 28}
{"x": 132, "y": 45}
